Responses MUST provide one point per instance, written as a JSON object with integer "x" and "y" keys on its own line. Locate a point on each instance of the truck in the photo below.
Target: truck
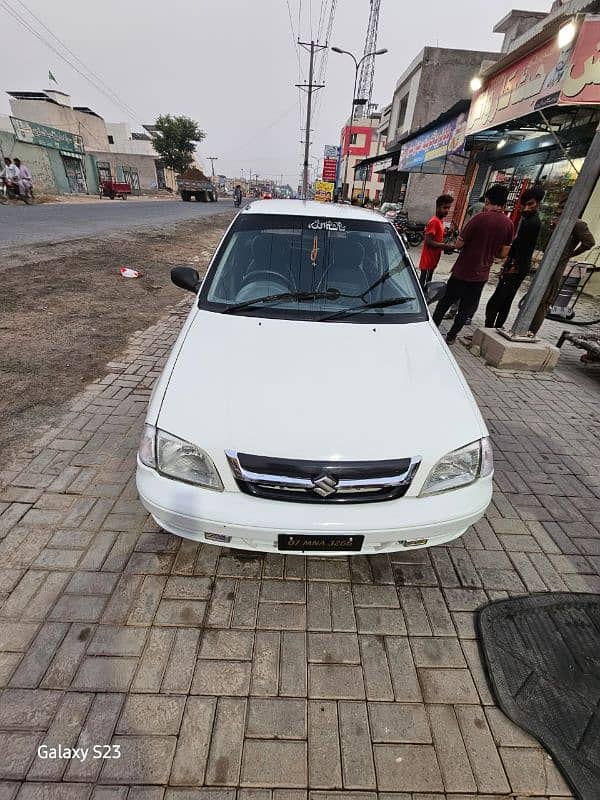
{"x": 194, "y": 183}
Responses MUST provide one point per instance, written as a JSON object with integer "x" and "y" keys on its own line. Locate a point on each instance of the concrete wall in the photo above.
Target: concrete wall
{"x": 92, "y": 129}
{"x": 437, "y": 79}
{"x": 46, "y": 172}
{"x": 421, "y": 194}
{"x": 143, "y": 164}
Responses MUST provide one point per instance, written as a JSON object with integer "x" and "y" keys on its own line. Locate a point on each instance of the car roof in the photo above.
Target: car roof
{"x": 311, "y": 208}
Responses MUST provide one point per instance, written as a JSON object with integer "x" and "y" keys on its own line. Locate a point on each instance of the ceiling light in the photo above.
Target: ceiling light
{"x": 566, "y": 34}
{"x": 476, "y": 83}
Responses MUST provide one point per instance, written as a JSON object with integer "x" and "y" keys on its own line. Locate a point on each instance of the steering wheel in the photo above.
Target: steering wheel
{"x": 261, "y": 274}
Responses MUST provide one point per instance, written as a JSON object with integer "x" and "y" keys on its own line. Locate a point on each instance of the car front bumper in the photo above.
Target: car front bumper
{"x": 255, "y": 523}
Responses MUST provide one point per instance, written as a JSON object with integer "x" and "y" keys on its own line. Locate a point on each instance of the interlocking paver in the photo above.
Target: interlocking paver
{"x": 410, "y": 766}
{"x": 274, "y": 763}
{"x": 324, "y": 760}
{"x": 399, "y": 722}
{"x": 357, "y": 757}
{"x": 276, "y": 718}
{"x": 151, "y": 714}
{"x": 18, "y": 750}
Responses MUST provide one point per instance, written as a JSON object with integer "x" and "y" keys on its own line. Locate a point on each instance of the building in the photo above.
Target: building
{"x": 431, "y": 85}
{"x": 82, "y": 148}
{"x": 360, "y": 140}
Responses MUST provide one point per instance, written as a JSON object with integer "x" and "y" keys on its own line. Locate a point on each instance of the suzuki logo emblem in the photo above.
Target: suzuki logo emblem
{"x": 325, "y": 486}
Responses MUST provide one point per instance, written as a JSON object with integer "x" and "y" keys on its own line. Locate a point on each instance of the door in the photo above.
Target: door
{"x": 161, "y": 182}
{"x": 134, "y": 181}
{"x": 75, "y": 175}
{"x": 104, "y": 173}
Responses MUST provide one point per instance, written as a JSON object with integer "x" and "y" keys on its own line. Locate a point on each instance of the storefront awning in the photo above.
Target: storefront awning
{"x": 543, "y": 77}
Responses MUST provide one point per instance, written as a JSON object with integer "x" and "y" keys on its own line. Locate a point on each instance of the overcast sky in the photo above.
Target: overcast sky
{"x": 231, "y": 64}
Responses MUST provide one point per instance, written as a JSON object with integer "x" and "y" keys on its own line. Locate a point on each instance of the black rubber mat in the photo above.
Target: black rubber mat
{"x": 543, "y": 657}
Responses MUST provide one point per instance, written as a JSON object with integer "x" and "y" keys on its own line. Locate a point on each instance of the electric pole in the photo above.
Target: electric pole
{"x": 212, "y": 160}
{"x": 309, "y": 87}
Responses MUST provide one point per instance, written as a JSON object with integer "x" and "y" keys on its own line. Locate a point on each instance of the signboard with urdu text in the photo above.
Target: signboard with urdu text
{"x": 45, "y": 136}
{"x": 545, "y": 77}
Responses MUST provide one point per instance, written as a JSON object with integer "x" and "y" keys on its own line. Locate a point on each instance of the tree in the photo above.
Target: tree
{"x": 175, "y": 140}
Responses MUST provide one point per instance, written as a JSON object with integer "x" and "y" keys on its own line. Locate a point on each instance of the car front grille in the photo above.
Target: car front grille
{"x": 322, "y": 481}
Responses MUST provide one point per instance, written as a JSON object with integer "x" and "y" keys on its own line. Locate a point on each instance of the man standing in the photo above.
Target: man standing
{"x": 581, "y": 241}
{"x": 434, "y": 239}
{"x": 517, "y": 265}
{"x": 486, "y": 236}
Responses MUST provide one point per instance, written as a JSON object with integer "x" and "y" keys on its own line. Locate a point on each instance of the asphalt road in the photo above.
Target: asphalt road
{"x": 27, "y": 225}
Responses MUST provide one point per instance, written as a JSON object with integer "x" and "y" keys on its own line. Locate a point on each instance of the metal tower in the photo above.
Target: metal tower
{"x": 367, "y": 72}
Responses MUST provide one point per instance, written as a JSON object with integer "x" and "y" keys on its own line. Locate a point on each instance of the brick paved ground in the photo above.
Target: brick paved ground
{"x": 275, "y": 678}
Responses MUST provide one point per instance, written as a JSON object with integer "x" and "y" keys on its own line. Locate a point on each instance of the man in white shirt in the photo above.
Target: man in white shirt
{"x": 10, "y": 174}
{"x": 24, "y": 179}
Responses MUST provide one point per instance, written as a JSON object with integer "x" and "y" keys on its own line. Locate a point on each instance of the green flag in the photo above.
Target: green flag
{"x": 51, "y": 77}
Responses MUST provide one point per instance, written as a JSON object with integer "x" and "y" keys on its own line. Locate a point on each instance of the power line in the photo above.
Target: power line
{"x": 118, "y": 99}
{"x": 22, "y": 21}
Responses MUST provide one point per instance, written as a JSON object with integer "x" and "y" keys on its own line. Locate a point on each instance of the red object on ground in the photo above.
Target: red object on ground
{"x": 114, "y": 189}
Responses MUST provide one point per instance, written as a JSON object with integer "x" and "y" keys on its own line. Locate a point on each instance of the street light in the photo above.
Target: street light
{"x": 566, "y": 34}
{"x": 357, "y": 65}
{"x": 476, "y": 83}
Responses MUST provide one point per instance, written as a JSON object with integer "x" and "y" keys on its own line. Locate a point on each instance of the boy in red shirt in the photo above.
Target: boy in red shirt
{"x": 434, "y": 239}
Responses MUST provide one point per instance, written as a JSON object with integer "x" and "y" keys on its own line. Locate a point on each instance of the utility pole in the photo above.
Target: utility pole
{"x": 212, "y": 160}
{"x": 309, "y": 87}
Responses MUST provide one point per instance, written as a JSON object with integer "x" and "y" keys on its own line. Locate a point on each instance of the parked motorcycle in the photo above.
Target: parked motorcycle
{"x": 412, "y": 233}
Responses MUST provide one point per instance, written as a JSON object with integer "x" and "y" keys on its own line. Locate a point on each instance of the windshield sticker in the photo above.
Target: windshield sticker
{"x": 326, "y": 225}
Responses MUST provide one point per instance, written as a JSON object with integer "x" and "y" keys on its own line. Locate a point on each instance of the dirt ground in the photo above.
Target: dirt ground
{"x": 66, "y": 312}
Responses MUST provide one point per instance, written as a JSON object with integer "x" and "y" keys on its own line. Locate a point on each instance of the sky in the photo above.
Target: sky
{"x": 231, "y": 65}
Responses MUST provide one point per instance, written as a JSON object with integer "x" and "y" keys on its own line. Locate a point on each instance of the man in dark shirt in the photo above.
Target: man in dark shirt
{"x": 486, "y": 236}
{"x": 517, "y": 265}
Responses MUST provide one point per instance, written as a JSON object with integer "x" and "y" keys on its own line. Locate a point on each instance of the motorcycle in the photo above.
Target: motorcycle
{"x": 412, "y": 233}
{"x": 12, "y": 193}
{"x": 237, "y": 200}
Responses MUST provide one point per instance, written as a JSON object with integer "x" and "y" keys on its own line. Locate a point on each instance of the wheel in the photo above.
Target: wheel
{"x": 112, "y": 195}
{"x": 185, "y": 196}
{"x": 414, "y": 239}
{"x": 124, "y": 196}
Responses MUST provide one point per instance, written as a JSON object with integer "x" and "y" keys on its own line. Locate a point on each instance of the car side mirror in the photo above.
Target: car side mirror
{"x": 434, "y": 291}
{"x": 186, "y": 278}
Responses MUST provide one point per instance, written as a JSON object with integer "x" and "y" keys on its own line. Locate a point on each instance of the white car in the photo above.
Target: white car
{"x": 309, "y": 404}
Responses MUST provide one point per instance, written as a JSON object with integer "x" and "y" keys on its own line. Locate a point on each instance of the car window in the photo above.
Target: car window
{"x": 357, "y": 262}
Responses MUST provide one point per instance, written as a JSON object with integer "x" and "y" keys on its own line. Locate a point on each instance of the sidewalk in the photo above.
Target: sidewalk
{"x": 276, "y": 678}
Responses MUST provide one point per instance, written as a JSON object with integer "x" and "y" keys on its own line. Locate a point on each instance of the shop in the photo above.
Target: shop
{"x": 425, "y": 163}
{"x": 534, "y": 120}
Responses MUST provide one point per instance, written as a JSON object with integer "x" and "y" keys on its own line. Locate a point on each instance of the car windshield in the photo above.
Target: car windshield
{"x": 301, "y": 267}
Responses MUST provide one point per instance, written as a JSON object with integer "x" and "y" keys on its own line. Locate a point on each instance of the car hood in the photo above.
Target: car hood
{"x": 310, "y": 390}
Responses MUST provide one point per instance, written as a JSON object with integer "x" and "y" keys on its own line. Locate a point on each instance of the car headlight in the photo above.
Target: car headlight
{"x": 176, "y": 458}
{"x": 461, "y": 467}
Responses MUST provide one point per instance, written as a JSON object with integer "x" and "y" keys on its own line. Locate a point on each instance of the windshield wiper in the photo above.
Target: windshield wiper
{"x": 329, "y": 294}
{"x": 347, "y": 312}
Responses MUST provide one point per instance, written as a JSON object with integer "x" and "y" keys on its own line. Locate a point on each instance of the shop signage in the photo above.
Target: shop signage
{"x": 330, "y": 169}
{"x": 582, "y": 84}
{"x": 439, "y": 150}
{"x": 545, "y": 77}
{"x": 324, "y": 191}
{"x": 382, "y": 166}
{"x": 331, "y": 151}
{"x": 45, "y": 136}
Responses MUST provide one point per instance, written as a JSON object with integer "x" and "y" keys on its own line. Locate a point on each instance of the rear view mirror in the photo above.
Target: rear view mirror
{"x": 434, "y": 291}
{"x": 186, "y": 278}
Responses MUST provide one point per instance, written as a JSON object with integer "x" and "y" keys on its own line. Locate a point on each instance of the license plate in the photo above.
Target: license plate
{"x": 292, "y": 542}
